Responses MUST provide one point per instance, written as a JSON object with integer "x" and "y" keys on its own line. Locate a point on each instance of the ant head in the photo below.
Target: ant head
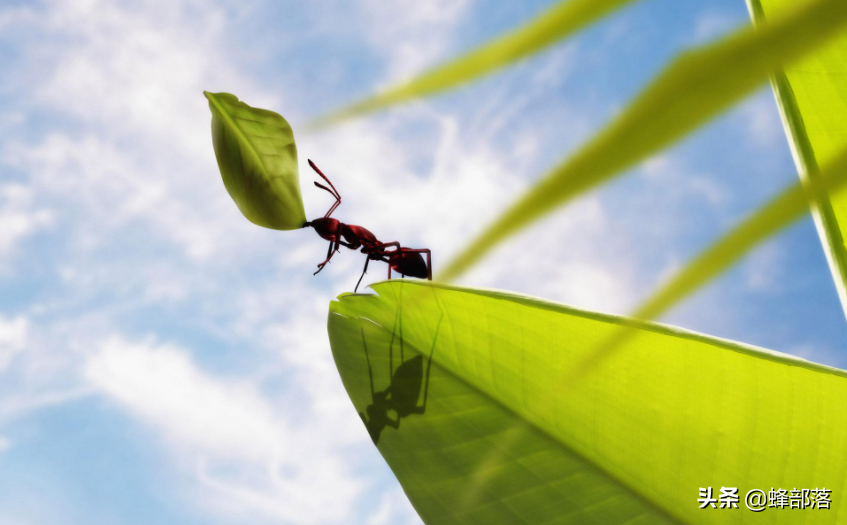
{"x": 327, "y": 227}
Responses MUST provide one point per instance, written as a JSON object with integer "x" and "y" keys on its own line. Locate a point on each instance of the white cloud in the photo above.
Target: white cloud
{"x": 137, "y": 70}
{"x": 714, "y": 24}
{"x": 18, "y": 217}
{"x": 764, "y": 269}
{"x": 679, "y": 181}
{"x": 163, "y": 386}
{"x": 393, "y": 509}
{"x": 5, "y": 444}
{"x": 412, "y": 34}
{"x": 227, "y": 434}
{"x": 13, "y": 338}
{"x": 761, "y": 120}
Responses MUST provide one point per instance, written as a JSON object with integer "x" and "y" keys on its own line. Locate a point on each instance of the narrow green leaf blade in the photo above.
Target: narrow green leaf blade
{"x": 258, "y": 161}
{"x": 490, "y": 434}
{"x": 554, "y": 24}
{"x": 790, "y": 205}
{"x": 694, "y": 88}
{"x": 812, "y": 97}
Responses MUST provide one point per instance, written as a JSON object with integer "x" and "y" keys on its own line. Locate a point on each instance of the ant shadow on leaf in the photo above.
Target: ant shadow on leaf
{"x": 401, "y": 396}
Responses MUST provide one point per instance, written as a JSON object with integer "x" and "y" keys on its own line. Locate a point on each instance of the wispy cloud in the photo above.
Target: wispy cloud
{"x": 713, "y": 24}
{"x": 238, "y": 444}
{"x": 19, "y": 219}
{"x": 13, "y": 334}
{"x": 411, "y": 34}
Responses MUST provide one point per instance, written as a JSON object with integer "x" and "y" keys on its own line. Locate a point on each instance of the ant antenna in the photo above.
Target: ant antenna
{"x": 321, "y": 186}
{"x": 332, "y": 192}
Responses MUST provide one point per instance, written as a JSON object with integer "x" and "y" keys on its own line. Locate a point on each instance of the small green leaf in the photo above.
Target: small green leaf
{"x": 258, "y": 162}
{"x": 693, "y": 89}
{"x": 462, "y": 391}
{"x": 558, "y": 22}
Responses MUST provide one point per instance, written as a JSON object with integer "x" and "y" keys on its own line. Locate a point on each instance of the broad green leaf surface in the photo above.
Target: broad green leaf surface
{"x": 554, "y": 24}
{"x": 694, "y": 88}
{"x": 488, "y": 433}
{"x": 258, "y": 162}
{"x": 812, "y": 97}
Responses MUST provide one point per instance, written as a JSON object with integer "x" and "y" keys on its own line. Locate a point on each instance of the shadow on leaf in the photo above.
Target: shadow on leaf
{"x": 402, "y": 394}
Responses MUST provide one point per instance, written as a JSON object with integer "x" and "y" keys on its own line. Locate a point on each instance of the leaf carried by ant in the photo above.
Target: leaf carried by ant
{"x": 258, "y": 161}
{"x": 487, "y": 431}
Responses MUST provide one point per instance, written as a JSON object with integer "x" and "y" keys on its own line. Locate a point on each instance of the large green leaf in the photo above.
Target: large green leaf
{"x": 554, "y": 24}
{"x": 258, "y": 162}
{"x": 812, "y": 97}
{"x": 486, "y": 431}
{"x": 694, "y": 88}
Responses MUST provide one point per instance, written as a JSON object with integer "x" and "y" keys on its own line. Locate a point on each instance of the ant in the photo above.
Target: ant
{"x": 405, "y": 261}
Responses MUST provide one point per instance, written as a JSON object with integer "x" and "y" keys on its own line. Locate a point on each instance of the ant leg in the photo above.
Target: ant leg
{"x": 385, "y": 245}
{"x": 367, "y": 260}
{"x": 329, "y": 253}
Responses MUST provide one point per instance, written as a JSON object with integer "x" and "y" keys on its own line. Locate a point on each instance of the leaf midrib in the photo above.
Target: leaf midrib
{"x": 238, "y": 132}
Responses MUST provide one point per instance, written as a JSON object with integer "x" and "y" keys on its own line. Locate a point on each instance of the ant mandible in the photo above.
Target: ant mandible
{"x": 405, "y": 261}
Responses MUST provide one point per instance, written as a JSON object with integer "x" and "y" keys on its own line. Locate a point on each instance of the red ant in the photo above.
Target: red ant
{"x": 406, "y": 261}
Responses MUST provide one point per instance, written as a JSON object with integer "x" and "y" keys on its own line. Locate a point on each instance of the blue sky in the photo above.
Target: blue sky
{"x": 162, "y": 360}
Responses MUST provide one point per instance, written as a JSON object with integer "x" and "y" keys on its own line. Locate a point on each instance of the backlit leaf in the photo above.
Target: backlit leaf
{"x": 462, "y": 392}
{"x": 258, "y": 162}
